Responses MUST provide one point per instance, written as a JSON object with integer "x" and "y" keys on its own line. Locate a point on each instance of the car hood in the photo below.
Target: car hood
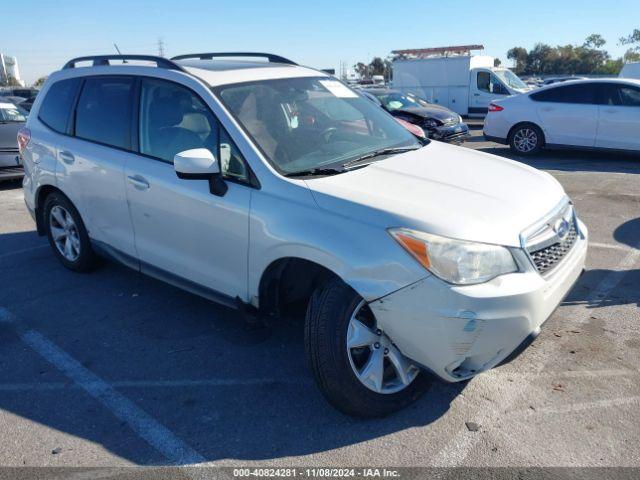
{"x": 432, "y": 111}
{"x": 445, "y": 190}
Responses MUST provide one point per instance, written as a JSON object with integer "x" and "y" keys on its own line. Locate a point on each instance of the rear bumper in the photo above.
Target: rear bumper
{"x": 11, "y": 173}
{"x": 459, "y": 331}
{"x": 9, "y": 159}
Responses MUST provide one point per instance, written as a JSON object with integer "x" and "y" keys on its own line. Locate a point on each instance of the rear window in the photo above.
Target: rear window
{"x": 103, "y": 114}
{"x": 578, "y": 94}
{"x": 56, "y": 106}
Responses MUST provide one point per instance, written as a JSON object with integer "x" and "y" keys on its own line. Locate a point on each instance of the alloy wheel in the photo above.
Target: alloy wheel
{"x": 525, "y": 140}
{"x": 375, "y": 360}
{"x": 64, "y": 233}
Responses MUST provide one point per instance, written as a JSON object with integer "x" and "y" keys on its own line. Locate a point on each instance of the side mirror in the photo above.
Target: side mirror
{"x": 200, "y": 164}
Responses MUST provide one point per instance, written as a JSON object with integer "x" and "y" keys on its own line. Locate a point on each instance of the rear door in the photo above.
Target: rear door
{"x": 568, "y": 114}
{"x": 91, "y": 160}
{"x": 619, "y": 118}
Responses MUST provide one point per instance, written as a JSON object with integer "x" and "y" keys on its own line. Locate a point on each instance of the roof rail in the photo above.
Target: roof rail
{"x": 211, "y": 55}
{"x": 103, "y": 60}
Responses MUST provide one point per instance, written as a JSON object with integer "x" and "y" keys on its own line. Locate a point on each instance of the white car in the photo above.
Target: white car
{"x": 603, "y": 113}
{"x": 263, "y": 184}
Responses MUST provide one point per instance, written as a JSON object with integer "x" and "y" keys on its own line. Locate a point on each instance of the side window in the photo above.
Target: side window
{"x": 577, "y": 94}
{"x": 174, "y": 119}
{"x": 629, "y": 96}
{"x": 56, "y": 106}
{"x": 103, "y": 113}
{"x": 484, "y": 81}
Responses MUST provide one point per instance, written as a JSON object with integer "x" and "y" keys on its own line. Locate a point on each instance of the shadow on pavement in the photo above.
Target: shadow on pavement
{"x": 227, "y": 391}
{"x": 571, "y": 160}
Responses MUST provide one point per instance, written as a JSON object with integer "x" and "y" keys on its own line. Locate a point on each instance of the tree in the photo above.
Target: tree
{"x": 362, "y": 69}
{"x": 497, "y": 62}
{"x": 633, "y": 39}
{"x": 520, "y": 57}
{"x": 376, "y": 67}
{"x": 11, "y": 81}
{"x": 594, "y": 41}
{"x": 39, "y": 82}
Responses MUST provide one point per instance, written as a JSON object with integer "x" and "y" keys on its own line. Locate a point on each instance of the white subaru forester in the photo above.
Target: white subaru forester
{"x": 263, "y": 184}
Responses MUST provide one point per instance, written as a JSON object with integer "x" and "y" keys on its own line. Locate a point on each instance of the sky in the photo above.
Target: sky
{"x": 320, "y": 34}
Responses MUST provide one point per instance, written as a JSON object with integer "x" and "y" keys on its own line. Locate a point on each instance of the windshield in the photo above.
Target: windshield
{"x": 302, "y": 124}
{"x": 398, "y": 101}
{"x": 12, "y": 114}
{"x": 510, "y": 79}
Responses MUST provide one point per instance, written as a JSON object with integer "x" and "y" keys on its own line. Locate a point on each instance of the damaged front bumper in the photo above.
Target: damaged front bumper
{"x": 455, "y": 133}
{"x": 457, "y": 332}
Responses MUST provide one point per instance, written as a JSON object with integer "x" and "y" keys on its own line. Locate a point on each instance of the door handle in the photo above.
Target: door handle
{"x": 139, "y": 182}
{"x": 67, "y": 157}
{"x": 476, "y": 94}
{"x": 547, "y": 109}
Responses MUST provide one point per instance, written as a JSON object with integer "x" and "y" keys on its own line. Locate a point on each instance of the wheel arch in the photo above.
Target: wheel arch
{"x": 290, "y": 282}
{"x": 522, "y": 124}
{"x": 40, "y": 197}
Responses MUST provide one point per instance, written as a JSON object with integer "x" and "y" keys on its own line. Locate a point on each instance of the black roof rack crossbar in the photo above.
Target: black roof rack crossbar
{"x": 103, "y": 60}
{"x": 211, "y": 55}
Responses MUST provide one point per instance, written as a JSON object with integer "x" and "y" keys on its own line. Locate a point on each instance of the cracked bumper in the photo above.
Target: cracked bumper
{"x": 459, "y": 331}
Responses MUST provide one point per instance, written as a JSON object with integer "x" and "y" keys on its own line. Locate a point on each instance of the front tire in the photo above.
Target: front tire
{"x": 67, "y": 234}
{"x": 526, "y": 139}
{"x": 356, "y": 366}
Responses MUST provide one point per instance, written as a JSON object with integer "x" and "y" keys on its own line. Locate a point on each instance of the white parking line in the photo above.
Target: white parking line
{"x": 24, "y": 250}
{"x": 457, "y": 449}
{"x": 610, "y": 246}
{"x": 149, "y": 429}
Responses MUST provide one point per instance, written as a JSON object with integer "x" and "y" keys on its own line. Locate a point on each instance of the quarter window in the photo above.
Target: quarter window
{"x": 174, "y": 119}
{"x": 104, "y": 111}
{"x": 630, "y": 96}
{"x": 57, "y": 104}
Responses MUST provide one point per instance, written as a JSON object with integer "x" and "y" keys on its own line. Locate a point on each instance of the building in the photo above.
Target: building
{"x": 9, "y": 69}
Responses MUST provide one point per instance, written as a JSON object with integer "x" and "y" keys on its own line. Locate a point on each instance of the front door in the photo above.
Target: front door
{"x": 185, "y": 234}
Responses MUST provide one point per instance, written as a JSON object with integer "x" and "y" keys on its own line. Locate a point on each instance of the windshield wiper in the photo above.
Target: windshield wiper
{"x": 378, "y": 153}
{"x": 315, "y": 172}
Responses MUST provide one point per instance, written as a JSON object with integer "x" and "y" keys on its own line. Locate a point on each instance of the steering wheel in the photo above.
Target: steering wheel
{"x": 326, "y": 134}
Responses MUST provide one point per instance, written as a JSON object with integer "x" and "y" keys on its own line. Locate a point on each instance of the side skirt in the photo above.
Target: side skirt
{"x": 127, "y": 260}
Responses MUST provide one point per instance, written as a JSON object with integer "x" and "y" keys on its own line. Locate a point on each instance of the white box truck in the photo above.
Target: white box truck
{"x": 631, "y": 70}
{"x": 463, "y": 83}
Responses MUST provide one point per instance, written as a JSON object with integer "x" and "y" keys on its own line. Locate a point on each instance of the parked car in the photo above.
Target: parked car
{"x": 12, "y": 118}
{"x": 266, "y": 187}
{"x": 631, "y": 70}
{"x": 414, "y": 129}
{"x": 438, "y": 122}
{"x": 601, "y": 113}
{"x": 551, "y": 81}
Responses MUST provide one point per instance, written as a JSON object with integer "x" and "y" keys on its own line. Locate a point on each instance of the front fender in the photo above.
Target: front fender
{"x": 364, "y": 256}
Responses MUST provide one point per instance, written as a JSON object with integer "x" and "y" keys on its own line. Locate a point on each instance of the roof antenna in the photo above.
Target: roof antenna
{"x": 119, "y": 52}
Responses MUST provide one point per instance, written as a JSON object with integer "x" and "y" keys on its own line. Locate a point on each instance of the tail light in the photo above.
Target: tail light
{"x": 24, "y": 135}
{"x": 495, "y": 108}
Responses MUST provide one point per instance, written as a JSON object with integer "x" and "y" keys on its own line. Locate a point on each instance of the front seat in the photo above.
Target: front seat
{"x": 165, "y": 136}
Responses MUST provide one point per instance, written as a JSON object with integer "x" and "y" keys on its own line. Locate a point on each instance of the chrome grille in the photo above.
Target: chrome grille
{"x": 552, "y": 240}
{"x": 547, "y": 258}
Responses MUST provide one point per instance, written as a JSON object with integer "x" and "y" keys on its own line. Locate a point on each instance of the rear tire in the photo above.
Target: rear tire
{"x": 67, "y": 234}
{"x": 329, "y": 318}
{"x": 526, "y": 139}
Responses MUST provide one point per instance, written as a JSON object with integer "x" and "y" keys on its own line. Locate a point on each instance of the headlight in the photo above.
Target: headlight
{"x": 456, "y": 261}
